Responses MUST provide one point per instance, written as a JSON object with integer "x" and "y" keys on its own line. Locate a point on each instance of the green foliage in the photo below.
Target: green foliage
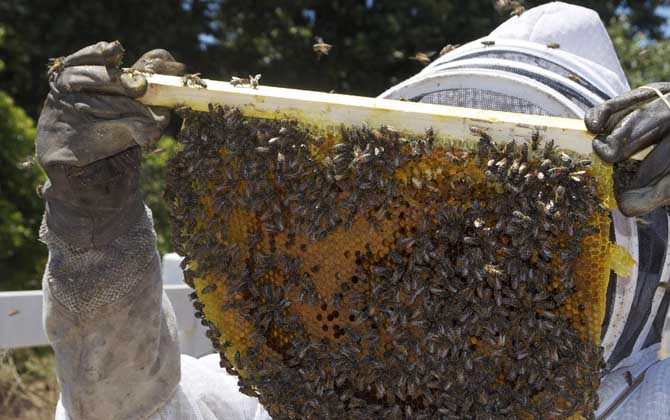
{"x": 372, "y": 40}
{"x": 153, "y": 185}
{"x": 21, "y": 255}
{"x": 644, "y": 60}
{"x": 39, "y": 30}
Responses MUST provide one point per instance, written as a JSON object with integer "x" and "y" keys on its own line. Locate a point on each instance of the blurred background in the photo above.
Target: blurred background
{"x": 377, "y": 43}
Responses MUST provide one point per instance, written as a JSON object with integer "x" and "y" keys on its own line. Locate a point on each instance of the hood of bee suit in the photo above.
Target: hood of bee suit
{"x": 518, "y": 72}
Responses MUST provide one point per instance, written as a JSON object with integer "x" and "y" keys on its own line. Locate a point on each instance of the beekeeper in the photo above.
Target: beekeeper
{"x": 112, "y": 328}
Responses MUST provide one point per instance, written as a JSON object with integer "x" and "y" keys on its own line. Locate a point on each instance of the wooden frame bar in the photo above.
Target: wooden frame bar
{"x": 329, "y": 109}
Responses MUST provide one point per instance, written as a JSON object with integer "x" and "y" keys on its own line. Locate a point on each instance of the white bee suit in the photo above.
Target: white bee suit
{"x": 557, "y": 59}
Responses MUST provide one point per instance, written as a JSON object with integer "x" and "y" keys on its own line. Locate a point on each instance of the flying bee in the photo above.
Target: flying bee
{"x": 193, "y": 81}
{"x": 28, "y": 163}
{"x": 423, "y": 57}
{"x": 321, "y": 48}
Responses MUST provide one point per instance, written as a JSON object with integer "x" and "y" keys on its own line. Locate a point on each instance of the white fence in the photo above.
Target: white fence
{"x": 21, "y": 314}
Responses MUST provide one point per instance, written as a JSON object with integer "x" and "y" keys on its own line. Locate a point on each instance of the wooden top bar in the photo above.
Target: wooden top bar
{"x": 330, "y": 110}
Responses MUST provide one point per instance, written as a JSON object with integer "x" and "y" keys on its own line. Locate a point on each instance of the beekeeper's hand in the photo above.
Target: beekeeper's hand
{"x": 626, "y": 125}
{"x": 90, "y": 113}
{"x": 88, "y": 139}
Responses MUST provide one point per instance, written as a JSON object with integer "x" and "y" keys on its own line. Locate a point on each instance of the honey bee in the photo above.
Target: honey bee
{"x": 535, "y": 139}
{"x": 253, "y": 81}
{"x": 629, "y": 377}
{"x": 238, "y": 81}
{"x": 575, "y": 78}
{"x": 28, "y": 163}
{"x": 423, "y": 57}
{"x": 492, "y": 270}
{"x": 55, "y": 67}
{"x": 208, "y": 289}
{"x": 481, "y": 132}
{"x": 448, "y": 48}
{"x": 553, "y": 45}
{"x": 518, "y": 11}
{"x": 321, "y": 48}
{"x": 193, "y": 81}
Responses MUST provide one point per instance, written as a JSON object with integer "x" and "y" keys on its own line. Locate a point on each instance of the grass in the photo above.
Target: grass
{"x": 28, "y": 386}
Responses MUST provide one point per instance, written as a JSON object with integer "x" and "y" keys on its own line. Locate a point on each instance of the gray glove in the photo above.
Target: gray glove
{"x": 626, "y": 125}
{"x": 88, "y": 141}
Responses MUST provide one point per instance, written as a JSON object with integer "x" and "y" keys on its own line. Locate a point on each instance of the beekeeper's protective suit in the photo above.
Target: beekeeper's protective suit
{"x": 111, "y": 325}
{"x": 112, "y": 328}
{"x": 558, "y": 60}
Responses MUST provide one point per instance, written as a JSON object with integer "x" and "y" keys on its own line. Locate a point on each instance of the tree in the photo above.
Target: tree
{"x": 372, "y": 40}
{"x": 644, "y": 60}
{"x": 21, "y": 256}
{"x": 154, "y": 165}
{"x": 41, "y": 29}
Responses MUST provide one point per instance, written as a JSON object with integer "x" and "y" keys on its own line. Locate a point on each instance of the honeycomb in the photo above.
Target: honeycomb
{"x": 362, "y": 273}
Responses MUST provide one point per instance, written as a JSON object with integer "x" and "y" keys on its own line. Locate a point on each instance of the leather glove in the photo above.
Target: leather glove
{"x": 626, "y": 125}
{"x": 88, "y": 141}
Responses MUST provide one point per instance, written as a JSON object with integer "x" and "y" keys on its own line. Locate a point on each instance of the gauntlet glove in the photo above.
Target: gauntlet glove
{"x": 88, "y": 141}
{"x": 628, "y": 124}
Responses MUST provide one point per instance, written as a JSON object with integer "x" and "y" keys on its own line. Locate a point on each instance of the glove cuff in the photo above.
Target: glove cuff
{"x": 85, "y": 229}
{"x": 91, "y": 206}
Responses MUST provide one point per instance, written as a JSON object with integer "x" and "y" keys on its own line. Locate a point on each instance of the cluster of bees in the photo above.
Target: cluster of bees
{"x": 359, "y": 273}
